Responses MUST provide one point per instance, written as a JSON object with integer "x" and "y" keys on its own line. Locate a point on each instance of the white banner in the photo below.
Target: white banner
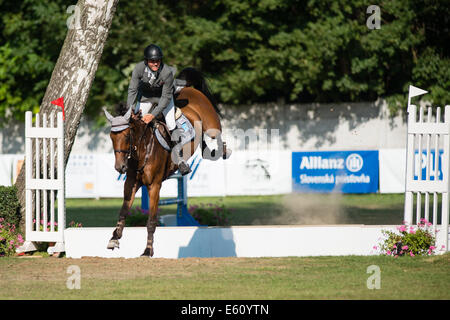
{"x": 392, "y": 170}
{"x": 207, "y": 178}
{"x": 81, "y": 176}
{"x": 259, "y": 172}
{"x": 244, "y": 173}
{"x": 10, "y": 165}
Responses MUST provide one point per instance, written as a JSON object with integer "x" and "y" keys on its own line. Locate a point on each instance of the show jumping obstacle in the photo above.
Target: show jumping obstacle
{"x": 437, "y": 137}
{"x": 45, "y": 192}
{"x": 44, "y": 182}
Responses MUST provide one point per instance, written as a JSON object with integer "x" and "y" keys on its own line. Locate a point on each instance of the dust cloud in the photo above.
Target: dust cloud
{"x": 311, "y": 209}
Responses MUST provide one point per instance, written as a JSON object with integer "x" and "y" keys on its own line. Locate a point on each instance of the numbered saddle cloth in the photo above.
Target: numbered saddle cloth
{"x": 183, "y": 134}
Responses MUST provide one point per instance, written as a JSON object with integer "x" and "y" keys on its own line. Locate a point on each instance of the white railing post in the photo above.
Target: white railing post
{"x": 439, "y": 184}
{"x": 44, "y": 182}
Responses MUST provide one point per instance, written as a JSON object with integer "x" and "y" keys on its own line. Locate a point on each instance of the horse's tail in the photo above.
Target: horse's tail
{"x": 194, "y": 78}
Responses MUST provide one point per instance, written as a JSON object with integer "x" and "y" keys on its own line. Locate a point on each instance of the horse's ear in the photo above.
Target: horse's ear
{"x": 128, "y": 114}
{"x": 108, "y": 115}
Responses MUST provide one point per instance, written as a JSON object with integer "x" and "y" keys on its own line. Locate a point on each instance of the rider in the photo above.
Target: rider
{"x": 151, "y": 88}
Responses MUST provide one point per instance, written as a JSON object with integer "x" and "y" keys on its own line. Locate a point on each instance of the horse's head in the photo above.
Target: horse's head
{"x": 121, "y": 138}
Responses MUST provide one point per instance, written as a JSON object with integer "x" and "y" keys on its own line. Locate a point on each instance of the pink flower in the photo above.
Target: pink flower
{"x": 411, "y": 254}
{"x": 375, "y": 247}
{"x": 11, "y": 241}
{"x": 432, "y": 247}
{"x": 402, "y": 228}
{"x": 388, "y": 252}
{"x": 405, "y": 248}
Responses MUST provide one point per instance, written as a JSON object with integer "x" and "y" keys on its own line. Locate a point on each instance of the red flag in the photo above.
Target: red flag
{"x": 60, "y": 103}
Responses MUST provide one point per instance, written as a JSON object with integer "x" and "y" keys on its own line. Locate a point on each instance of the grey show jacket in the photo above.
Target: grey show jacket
{"x": 156, "y": 90}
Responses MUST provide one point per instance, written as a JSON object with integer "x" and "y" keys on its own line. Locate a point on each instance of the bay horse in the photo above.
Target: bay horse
{"x": 146, "y": 162}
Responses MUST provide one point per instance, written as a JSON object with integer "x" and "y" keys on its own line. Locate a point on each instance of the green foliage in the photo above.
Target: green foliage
{"x": 211, "y": 214}
{"x": 251, "y": 51}
{"x": 10, "y": 239}
{"x": 74, "y": 224}
{"x": 9, "y": 205}
{"x": 410, "y": 241}
{"x": 138, "y": 217}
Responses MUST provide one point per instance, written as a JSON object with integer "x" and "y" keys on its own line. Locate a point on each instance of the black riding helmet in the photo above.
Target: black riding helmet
{"x": 153, "y": 52}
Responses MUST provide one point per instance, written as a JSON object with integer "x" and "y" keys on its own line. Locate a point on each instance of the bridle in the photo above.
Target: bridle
{"x": 130, "y": 149}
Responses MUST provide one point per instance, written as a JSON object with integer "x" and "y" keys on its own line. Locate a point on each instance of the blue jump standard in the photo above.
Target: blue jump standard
{"x": 183, "y": 216}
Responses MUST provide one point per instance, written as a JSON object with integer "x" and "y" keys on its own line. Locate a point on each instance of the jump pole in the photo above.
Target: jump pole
{"x": 183, "y": 216}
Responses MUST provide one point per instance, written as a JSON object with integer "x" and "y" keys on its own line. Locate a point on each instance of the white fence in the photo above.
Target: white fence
{"x": 431, "y": 135}
{"x": 44, "y": 181}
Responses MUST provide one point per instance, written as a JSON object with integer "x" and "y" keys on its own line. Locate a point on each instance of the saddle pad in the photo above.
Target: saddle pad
{"x": 161, "y": 140}
{"x": 187, "y": 132}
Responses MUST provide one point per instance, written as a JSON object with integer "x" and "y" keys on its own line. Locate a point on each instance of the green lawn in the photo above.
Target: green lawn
{"x": 227, "y": 278}
{"x": 371, "y": 209}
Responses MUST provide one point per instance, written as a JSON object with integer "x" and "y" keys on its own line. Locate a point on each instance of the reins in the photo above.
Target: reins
{"x": 130, "y": 149}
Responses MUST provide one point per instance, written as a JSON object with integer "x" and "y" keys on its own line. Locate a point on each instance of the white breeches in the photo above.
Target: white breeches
{"x": 168, "y": 112}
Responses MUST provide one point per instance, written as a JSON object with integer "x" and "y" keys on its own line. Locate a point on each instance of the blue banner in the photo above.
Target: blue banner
{"x": 422, "y": 163}
{"x": 335, "y": 171}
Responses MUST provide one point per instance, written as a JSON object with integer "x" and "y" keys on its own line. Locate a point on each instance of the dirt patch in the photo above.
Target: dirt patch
{"x": 55, "y": 269}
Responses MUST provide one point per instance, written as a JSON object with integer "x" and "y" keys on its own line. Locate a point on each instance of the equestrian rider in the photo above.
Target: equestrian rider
{"x": 151, "y": 88}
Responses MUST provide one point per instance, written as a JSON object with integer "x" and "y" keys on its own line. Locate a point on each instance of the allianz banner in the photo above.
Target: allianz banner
{"x": 335, "y": 171}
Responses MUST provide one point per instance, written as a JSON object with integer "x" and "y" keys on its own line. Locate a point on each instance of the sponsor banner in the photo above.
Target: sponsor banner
{"x": 207, "y": 177}
{"x": 81, "y": 176}
{"x": 335, "y": 171}
{"x": 10, "y": 165}
{"x": 392, "y": 170}
{"x": 420, "y": 164}
{"x": 258, "y": 172}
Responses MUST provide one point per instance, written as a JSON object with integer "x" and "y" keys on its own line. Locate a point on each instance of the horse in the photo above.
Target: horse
{"x": 146, "y": 162}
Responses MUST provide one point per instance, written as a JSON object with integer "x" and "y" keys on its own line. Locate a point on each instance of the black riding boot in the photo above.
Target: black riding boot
{"x": 183, "y": 167}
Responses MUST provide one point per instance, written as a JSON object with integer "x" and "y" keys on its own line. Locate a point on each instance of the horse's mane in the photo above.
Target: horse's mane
{"x": 197, "y": 80}
{"x": 120, "y": 108}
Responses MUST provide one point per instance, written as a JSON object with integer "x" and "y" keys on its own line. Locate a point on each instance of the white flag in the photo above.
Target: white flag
{"x": 414, "y": 91}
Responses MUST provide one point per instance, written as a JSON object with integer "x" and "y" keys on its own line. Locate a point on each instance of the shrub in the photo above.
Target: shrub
{"x": 10, "y": 239}
{"x": 74, "y": 224}
{"x": 138, "y": 217}
{"x": 410, "y": 241}
{"x": 9, "y": 205}
{"x": 211, "y": 214}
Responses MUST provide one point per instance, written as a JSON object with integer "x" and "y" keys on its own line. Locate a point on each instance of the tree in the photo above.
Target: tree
{"x": 75, "y": 69}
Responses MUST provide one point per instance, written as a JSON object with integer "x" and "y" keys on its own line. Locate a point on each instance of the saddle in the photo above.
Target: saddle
{"x": 163, "y": 135}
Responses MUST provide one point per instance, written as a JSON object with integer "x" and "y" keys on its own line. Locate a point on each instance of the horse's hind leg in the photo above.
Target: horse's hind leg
{"x": 130, "y": 188}
{"x": 153, "y": 194}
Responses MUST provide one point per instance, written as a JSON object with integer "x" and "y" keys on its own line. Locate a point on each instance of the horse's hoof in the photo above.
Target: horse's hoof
{"x": 112, "y": 244}
{"x": 147, "y": 253}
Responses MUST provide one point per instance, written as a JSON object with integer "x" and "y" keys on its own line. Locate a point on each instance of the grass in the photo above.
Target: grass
{"x": 227, "y": 278}
{"x": 370, "y": 209}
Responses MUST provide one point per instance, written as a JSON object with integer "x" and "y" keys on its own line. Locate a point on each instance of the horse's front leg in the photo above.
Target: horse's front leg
{"x": 153, "y": 194}
{"x": 130, "y": 188}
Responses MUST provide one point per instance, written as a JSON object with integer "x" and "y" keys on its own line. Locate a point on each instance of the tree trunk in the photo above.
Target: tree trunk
{"x": 74, "y": 71}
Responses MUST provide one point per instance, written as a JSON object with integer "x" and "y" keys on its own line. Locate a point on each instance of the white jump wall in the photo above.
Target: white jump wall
{"x": 238, "y": 241}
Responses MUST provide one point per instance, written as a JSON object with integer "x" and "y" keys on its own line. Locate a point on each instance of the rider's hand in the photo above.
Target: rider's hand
{"x": 148, "y": 117}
